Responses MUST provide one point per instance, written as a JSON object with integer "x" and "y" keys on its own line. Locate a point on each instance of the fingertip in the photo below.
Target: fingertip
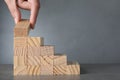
{"x": 32, "y": 25}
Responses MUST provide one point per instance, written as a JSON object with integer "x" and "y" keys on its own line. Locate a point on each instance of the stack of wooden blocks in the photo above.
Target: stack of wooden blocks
{"x": 32, "y": 57}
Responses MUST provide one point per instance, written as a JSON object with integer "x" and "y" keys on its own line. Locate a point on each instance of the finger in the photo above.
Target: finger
{"x": 35, "y": 5}
{"x": 24, "y": 4}
{"x": 17, "y": 15}
{"x": 14, "y": 10}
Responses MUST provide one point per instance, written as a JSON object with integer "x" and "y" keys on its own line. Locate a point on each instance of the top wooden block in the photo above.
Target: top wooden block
{"x": 22, "y": 28}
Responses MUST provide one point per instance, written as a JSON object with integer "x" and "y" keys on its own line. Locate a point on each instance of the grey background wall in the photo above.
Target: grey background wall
{"x": 87, "y": 31}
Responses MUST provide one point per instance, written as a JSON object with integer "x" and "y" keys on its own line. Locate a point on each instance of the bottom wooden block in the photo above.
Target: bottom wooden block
{"x": 46, "y": 70}
{"x": 26, "y": 70}
{"x": 60, "y": 70}
{"x": 33, "y": 70}
{"x": 20, "y": 70}
{"x": 73, "y": 68}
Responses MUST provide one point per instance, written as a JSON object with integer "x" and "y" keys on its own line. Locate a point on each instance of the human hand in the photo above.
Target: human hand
{"x": 32, "y": 5}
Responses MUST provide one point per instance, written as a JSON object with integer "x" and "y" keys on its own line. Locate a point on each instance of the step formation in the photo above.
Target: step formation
{"x": 32, "y": 57}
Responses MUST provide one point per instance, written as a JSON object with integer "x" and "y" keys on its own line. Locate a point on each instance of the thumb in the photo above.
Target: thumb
{"x": 17, "y": 15}
{"x": 14, "y": 10}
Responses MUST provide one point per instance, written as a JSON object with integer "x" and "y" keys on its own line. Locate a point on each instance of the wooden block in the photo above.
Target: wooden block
{"x": 35, "y": 41}
{"x": 60, "y": 59}
{"x": 20, "y": 42}
{"x": 34, "y": 60}
{"x": 20, "y": 60}
{"x": 20, "y": 70}
{"x": 20, "y": 51}
{"x": 33, "y": 51}
{"x": 46, "y": 60}
{"x": 60, "y": 70}
{"x": 46, "y": 70}
{"x": 73, "y": 69}
{"x": 22, "y": 28}
{"x": 46, "y": 50}
{"x": 41, "y": 51}
{"x": 33, "y": 70}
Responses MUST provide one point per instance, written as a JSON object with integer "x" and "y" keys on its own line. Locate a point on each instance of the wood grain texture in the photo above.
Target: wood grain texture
{"x": 20, "y": 60}
{"x": 73, "y": 68}
{"x": 20, "y": 70}
{"x": 60, "y": 59}
{"x": 33, "y": 51}
{"x": 34, "y": 60}
{"x": 33, "y": 70}
{"x": 20, "y": 51}
{"x": 22, "y": 28}
{"x": 20, "y": 42}
{"x": 46, "y": 50}
{"x": 35, "y": 41}
{"x": 60, "y": 70}
{"x": 46, "y": 70}
{"x": 46, "y": 60}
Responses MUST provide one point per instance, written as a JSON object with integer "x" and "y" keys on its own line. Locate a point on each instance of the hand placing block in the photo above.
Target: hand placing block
{"x": 73, "y": 68}
{"x": 22, "y": 28}
{"x": 60, "y": 59}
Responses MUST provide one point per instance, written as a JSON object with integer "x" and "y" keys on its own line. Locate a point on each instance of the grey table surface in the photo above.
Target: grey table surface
{"x": 88, "y": 72}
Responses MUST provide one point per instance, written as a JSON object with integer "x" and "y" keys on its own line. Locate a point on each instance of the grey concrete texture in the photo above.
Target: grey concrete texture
{"x": 86, "y": 30}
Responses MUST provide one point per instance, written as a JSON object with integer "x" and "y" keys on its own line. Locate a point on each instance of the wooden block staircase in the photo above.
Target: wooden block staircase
{"x": 32, "y": 57}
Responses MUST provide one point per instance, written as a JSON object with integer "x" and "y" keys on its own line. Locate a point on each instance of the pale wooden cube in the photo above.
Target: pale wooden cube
{"x": 20, "y": 60}
{"x": 46, "y": 70}
{"x": 35, "y": 41}
{"x": 60, "y": 59}
{"x": 22, "y": 28}
{"x": 46, "y": 50}
{"x": 60, "y": 70}
{"x": 73, "y": 68}
{"x": 20, "y": 42}
{"x": 46, "y": 60}
{"x": 20, "y": 70}
{"x": 34, "y": 60}
{"x": 33, "y": 70}
{"x": 20, "y": 51}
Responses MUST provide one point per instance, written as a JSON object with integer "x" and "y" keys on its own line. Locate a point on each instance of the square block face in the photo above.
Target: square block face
{"x": 20, "y": 60}
{"x": 34, "y": 60}
{"x": 60, "y": 70}
{"x": 35, "y": 41}
{"x": 73, "y": 69}
{"x": 20, "y": 51}
{"x": 21, "y": 33}
{"x": 46, "y": 70}
{"x": 33, "y": 70}
{"x": 46, "y": 50}
{"x": 60, "y": 60}
{"x": 33, "y": 51}
{"x": 20, "y": 42}
{"x": 20, "y": 70}
{"x": 46, "y": 60}
{"x": 22, "y": 28}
